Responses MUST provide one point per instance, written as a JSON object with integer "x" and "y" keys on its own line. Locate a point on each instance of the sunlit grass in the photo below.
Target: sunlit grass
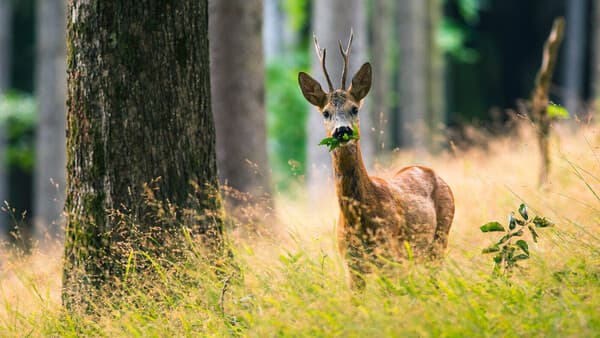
{"x": 296, "y": 285}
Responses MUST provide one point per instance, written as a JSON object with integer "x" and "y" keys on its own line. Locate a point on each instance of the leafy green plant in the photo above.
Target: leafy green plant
{"x": 511, "y": 248}
{"x": 332, "y": 142}
{"x": 556, "y": 111}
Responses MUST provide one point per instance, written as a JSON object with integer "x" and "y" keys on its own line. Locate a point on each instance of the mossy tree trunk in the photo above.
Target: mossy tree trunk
{"x": 139, "y": 133}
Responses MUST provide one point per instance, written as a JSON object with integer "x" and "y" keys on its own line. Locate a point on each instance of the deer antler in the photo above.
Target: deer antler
{"x": 321, "y": 53}
{"x": 346, "y": 56}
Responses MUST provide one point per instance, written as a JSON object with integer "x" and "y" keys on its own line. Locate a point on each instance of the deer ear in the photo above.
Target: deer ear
{"x": 311, "y": 89}
{"x": 361, "y": 82}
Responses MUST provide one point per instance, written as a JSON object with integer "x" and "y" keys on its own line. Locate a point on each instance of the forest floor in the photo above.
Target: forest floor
{"x": 297, "y": 286}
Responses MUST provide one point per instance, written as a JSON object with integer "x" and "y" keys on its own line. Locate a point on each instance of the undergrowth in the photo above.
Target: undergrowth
{"x": 296, "y": 286}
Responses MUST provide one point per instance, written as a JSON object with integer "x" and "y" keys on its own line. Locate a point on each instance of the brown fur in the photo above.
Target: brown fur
{"x": 379, "y": 218}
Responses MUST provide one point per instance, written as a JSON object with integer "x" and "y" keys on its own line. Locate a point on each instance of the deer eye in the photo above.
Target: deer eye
{"x": 326, "y": 114}
{"x": 354, "y": 111}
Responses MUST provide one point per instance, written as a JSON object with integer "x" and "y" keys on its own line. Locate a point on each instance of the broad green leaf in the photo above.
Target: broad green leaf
{"x": 555, "y": 111}
{"x": 503, "y": 239}
{"x": 523, "y": 211}
{"x": 524, "y": 246}
{"x": 492, "y": 226}
{"x": 542, "y": 222}
{"x": 491, "y": 248}
{"x": 520, "y": 257}
{"x": 518, "y": 233}
{"x": 534, "y": 233}
{"x": 498, "y": 259}
{"x": 511, "y": 221}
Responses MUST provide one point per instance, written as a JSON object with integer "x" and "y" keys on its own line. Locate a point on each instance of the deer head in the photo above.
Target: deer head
{"x": 339, "y": 107}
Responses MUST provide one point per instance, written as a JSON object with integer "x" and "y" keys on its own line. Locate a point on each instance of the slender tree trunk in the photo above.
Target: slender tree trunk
{"x": 237, "y": 75}
{"x": 5, "y": 52}
{"x": 412, "y": 18}
{"x": 5, "y": 43}
{"x": 383, "y": 13}
{"x": 595, "y": 67}
{"x": 273, "y": 30}
{"x": 541, "y": 93}
{"x": 139, "y": 132}
{"x": 575, "y": 37}
{"x": 436, "y": 74}
{"x": 49, "y": 179}
{"x": 421, "y": 74}
{"x": 332, "y": 21}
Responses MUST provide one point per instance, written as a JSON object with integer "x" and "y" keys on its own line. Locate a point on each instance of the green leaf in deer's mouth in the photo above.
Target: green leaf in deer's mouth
{"x": 332, "y": 142}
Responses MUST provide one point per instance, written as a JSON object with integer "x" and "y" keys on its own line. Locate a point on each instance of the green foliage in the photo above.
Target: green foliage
{"x": 453, "y": 35}
{"x": 18, "y": 119}
{"x": 508, "y": 254}
{"x": 287, "y": 113}
{"x": 556, "y": 111}
{"x": 332, "y": 142}
{"x": 297, "y": 12}
{"x": 303, "y": 293}
{"x": 469, "y": 9}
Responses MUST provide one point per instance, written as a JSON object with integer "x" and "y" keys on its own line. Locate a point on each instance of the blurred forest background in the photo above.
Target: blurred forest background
{"x": 446, "y": 72}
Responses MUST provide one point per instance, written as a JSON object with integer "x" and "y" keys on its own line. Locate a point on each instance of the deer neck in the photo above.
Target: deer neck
{"x": 353, "y": 185}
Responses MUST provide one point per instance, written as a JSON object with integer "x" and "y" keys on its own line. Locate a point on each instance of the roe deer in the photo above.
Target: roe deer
{"x": 412, "y": 212}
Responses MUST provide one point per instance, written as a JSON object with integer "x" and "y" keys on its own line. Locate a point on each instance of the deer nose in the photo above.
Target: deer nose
{"x": 339, "y": 133}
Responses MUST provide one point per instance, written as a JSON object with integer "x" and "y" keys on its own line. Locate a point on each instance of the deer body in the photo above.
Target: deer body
{"x": 411, "y": 212}
{"x": 379, "y": 217}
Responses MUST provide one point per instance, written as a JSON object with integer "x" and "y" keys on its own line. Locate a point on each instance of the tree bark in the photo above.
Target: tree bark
{"x": 383, "y": 13}
{"x": 49, "y": 177}
{"x": 139, "y": 132}
{"x": 5, "y": 52}
{"x": 273, "y": 30}
{"x": 5, "y": 43}
{"x": 541, "y": 93}
{"x": 238, "y": 103}
{"x": 575, "y": 38}
{"x": 332, "y": 21}
{"x": 436, "y": 89}
{"x": 413, "y": 55}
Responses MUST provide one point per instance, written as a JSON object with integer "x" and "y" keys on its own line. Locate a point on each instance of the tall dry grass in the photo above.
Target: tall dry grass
{"x": 294, "y": 284}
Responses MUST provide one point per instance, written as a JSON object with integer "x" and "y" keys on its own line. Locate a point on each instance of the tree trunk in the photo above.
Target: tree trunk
{"x": 436, "y": 89}
{"x": 139, "y": 133}
{"x": 237, "y": 84}
{"x": 273, "y": 30}
{"x": 413, "y": 55}
{"x": 575, "y": 42}
{"x": 49, "y": 179}
{"x": 595, "y": 66}
{"x": 5, "y": 51}
{"x": 332, "y": 21}
{"x": 381, "y": 98}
